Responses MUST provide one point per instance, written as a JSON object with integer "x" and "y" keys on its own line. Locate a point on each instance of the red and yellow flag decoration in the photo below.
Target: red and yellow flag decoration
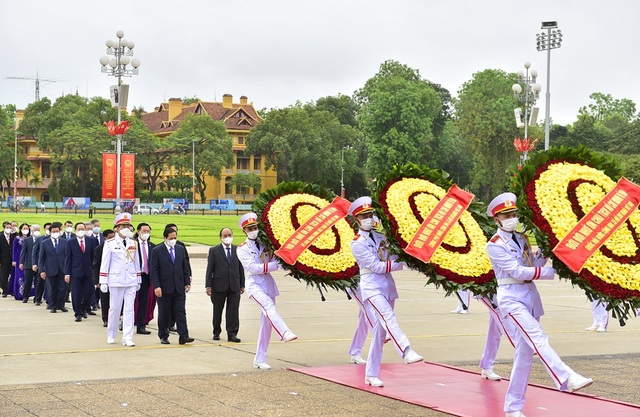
{"x": 437, "y": 224}
{"x": 308, "y": 232}
{"x": 127, "y": 176}
{"x": 597, "y": 226}
{"x": 108, "y": 176}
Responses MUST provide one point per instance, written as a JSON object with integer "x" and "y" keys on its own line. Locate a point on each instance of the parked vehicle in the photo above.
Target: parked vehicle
{"x": 145, "y": 209}
{"x": 176, "y": 209}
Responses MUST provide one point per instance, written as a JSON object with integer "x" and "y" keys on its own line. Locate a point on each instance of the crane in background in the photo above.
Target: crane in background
{"x": 37, "y": 80}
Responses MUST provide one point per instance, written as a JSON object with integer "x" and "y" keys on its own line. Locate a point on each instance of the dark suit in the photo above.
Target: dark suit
{"x": 28, "y": 261}
{"x": 104, "y": 296}
{"x": 6, "y": 247}
{"x": 225, "y": 280}
{"x": 172, "y": 277}
{"x": 41, "y": 286}
{"x": 79, "y": 266}
{"x": 51, "y": 262}
{"x": 143, "y": 293}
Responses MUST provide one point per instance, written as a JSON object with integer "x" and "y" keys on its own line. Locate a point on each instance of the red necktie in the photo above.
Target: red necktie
{"x": 82, "y": 245}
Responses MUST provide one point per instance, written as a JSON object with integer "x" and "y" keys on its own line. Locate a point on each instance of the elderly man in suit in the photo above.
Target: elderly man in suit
{"x": 170, "y": 275}
{"x": 27, "y": 261}
{"x": 224, "y": 281}
{"x": 53, "y": 252}
{"x": 40, "y": 283}
{"x": 79, "y": 271}
{"x": 143, "y": 233}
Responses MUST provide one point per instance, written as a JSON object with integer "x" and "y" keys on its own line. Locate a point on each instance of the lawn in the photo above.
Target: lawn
{"x": 191, "y": 228}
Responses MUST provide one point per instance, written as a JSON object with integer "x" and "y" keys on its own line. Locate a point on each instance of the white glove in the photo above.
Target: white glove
{"x": 138, "y": 288}
{"x": 104, "y": 288}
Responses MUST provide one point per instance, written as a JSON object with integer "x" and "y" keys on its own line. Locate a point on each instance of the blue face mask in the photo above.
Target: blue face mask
{"x": 96, "y": 230}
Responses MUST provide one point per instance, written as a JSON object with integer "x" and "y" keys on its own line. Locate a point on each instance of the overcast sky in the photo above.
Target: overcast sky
{"x": 279, "y": 51}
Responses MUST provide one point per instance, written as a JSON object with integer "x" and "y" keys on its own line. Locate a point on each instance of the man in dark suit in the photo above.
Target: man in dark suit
{"x": 53, "y": 252}
{"x": 97, "y": 261}
{"x": 27, "y": 261}
{"x": 172, "y": 319}
{"x": 78, "y": 271}
{"x": 6, "y": 247}
{"x": 40, "y": 283}
{"x": 67, "y": 233}
{"x": 224, "y": 281}
{"x": 143, "y": 232}
{"x": 170, "y": 275}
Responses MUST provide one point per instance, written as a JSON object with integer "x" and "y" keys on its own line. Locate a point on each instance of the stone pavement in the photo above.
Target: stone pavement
{"x": 52, "y": 366}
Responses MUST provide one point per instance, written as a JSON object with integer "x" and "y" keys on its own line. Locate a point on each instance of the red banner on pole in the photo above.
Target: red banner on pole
{"x": 109, "y": 175}
{"x": 593, "y": 230}
{"x": 313, "y": 228}
{"x": 127, "y": 176}
{"x": 435, "y": 227}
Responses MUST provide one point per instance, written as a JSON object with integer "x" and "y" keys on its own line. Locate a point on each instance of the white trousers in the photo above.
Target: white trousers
{"x": 600, "y": 313}
{"x": 364, "y": 324}
{"x": 118, "y": 296}
{"x": 497, "y": 327}
{"x": 385, "y": 322}
{"x": 269, "y": 318}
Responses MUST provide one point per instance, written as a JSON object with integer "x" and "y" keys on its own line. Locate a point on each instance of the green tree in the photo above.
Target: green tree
{"x": 484, "y": 111}
{"x": 396, "y": 118}
{"x": 343, "y": 107}
{"x": 7, "y": 141}
{"x": 243, "y": 181}
{"x": 605, "y": 106}
{"x": 212, "y": 150}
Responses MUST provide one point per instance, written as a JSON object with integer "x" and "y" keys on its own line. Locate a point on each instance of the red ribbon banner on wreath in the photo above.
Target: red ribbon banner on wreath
{"x": 437, "y": 224}
{"x": 313, "y": 228}
{"x": 593, "y": 230}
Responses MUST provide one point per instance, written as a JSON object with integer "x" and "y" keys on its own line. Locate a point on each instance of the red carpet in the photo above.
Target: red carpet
{"x": 463, "y": 393}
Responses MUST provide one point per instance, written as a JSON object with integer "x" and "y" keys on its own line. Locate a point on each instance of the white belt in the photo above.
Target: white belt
{"x": 365, "y": 271}
{"x": 505, "y": 281}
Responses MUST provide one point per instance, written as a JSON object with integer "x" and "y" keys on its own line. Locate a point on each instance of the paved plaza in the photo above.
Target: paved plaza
{"x": 53, "y": 366}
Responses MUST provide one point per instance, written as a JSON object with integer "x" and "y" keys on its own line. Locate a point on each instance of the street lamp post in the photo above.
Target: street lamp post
{"x": 15, "y": 172}
{"x": 118, "y": 66}
{"x": 546, "y": 42}
{"x": 528, "y": 94}
{"x": 343, "y": 192}
{"x": 193, "y": 168}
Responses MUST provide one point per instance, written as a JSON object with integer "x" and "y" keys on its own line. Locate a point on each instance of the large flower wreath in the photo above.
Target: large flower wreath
{"x": 328, "y": 262}
{"x": 404, "y": 198}
{"x": 555, "y": 189}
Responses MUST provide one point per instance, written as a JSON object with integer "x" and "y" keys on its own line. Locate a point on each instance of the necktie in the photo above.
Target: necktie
{"x": 82, "y": 245}
{"x": 258, "y": 245}
{"x": 228, "y": 254}
{"x": 372, "y": 238}
{"x": 513, "y": 236}
{"x": 173, "y": 257}
{"x": 55, "y": 245}
{"x": 145, "y": 258}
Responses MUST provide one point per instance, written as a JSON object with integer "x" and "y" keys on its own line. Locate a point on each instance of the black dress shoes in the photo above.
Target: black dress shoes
{"x": 184, "y": 340}
{"x": 233, "y": 339}
{"x": 85, "y": 316}
{"x": 64, "y": 309}
{"x": 165, "y": 341}
{"x": 142, "y": 330}
{"x": 78, "y": 319}
{"x": 91, "y": 313}
{"x": 38, "y": 303}
{"x": 216, "y": 337}
{"x": 53, "y": 310}
{"x": 25, "y": 300}
{"x": 173, "y": 329}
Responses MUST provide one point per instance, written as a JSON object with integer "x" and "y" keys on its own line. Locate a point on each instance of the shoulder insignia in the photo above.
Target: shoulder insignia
{"x": 357, "y": 236}
{"x": 242, "y": 244}
{"x": 494, "y": 239}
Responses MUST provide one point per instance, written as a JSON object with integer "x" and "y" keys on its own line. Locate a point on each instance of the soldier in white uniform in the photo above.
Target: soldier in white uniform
{"x": 600, "y": 316}
{"x": 120, "y": 275}
{"x": 516, "y": 267}
{"x": 258, "y": 264}
{"x": 497, "y": 327}
{"x": 378, "y": 290}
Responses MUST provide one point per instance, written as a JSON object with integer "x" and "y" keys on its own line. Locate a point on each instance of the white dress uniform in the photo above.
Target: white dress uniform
{"x": 120, "y": 271}
{"x": 516, "y": 267}
{"x": 497, "y": 327}
{"x": 364, "y": 324}
{"x": 600, "y": 316}
{"x": 262, "y": 289}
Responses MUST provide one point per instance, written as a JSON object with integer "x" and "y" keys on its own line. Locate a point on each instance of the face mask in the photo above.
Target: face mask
{"x": 171, "y": 242}
{"x": 144, "y": 236}
{"x": 96, "y": 230}
{"x": 36, "y": 233}
{"x": 7, "y": 230}
{"x": 80, "y": 233}
{"x": 69, "y": 229}
{"x": 47, "y": 232}
{"x": 25, "y": 231}
{"x": 55, "y": 235}
{"x": 366, "y": 224}
{"x": 252, "y": 235}
{"x": 509, "y": 225}
{"x": 125, "y": 232}
{"x": 227, "y": 240}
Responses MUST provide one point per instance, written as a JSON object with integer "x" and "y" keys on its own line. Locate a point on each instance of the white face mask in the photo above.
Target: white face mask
{"x": 171, "y": 242}
{"x": 36, "y": 233}
{"x": 55, "y": 235}
{"x": 227, "y": 240}
{"x": 80, "y": 233}
{"x": 252, "y": 235}
{"x": 366, "y": 224}
{"x": 25, "y": 231}
{"x": 509, "y": 225}
{"x": 125, "y": 232}
{"x": 47, "y": 232}
{"x": 7, "y": 230}
{"x": 69, "y": 229}
{"x": 144, "y": 236}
